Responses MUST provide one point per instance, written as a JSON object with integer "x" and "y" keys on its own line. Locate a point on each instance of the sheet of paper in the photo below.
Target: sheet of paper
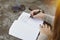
{"x": 25, "y": 27}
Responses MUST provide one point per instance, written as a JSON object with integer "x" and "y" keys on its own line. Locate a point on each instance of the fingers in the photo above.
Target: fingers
{"x": 49, "y": 28}
{"x": 40, "y": 15}
{"x": 46, "y": 30}
{"x": 45, "y": 26}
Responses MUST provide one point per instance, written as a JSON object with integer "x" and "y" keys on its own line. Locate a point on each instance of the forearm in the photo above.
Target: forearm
{"x": 49, "y": 19}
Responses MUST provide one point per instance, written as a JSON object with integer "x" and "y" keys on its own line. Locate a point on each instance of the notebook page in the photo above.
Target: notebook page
{"x": 25, "y": 28}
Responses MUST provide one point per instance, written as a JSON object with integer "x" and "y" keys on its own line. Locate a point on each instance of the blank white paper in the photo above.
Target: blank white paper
{"x": 25, "y": 28}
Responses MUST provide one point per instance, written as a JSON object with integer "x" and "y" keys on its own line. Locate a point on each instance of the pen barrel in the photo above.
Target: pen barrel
{"x": 35, "y": 13}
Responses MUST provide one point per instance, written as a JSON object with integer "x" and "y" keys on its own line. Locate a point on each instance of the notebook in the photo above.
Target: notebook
{"x": 25, "y": 27}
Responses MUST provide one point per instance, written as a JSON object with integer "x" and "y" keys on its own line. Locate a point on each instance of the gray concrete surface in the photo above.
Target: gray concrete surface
{"x": 7, "y": 17}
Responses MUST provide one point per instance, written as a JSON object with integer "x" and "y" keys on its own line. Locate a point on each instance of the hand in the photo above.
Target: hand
{"x": 46, "y": 30}
{"x": 39, "y": 15}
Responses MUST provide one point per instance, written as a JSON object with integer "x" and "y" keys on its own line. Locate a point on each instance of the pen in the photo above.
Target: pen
{"x": 38, "y": 36}
{"x": 35, "y": 13}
